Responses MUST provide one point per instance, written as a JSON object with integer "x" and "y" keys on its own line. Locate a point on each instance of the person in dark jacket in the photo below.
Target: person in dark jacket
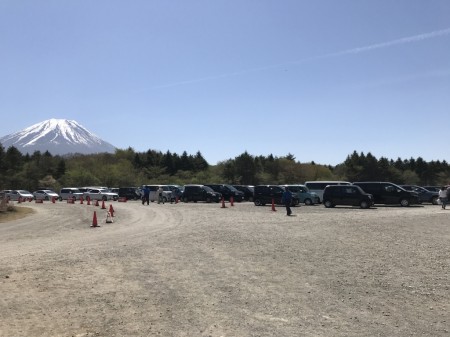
{"x": 286, "y": 199}
{"x": 146, "y": 196}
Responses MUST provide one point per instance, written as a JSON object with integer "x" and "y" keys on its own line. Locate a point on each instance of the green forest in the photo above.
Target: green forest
{"x": 130, "y": 168}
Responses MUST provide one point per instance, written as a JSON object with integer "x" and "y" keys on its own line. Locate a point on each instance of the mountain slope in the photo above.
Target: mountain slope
{"x": 59, "y": 137}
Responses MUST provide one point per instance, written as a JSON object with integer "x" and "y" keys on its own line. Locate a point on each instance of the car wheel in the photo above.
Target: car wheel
{"x": 328, "y": 204}
{"x": 295, "y": 202}
{"x": 308, "y": 202}
{"x": 364, "y": 204}
{"x": 208, "y": 199}
{"x": 60, "y": 198}
{"x": 185, "y": 199}
{"x": 434, "y": 200}
{"x": 258, "y": 202}
{"x": 404, "y": 202}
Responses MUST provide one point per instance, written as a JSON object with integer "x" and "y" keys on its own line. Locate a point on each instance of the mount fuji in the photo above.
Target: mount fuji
{"x": 57, "y": 136}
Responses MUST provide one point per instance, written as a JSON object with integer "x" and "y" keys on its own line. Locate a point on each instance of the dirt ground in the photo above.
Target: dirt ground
{"x": 202, "y": 270}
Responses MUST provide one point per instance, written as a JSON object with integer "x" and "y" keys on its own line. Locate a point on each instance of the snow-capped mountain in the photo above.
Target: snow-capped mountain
{"x": 57, "y": 136}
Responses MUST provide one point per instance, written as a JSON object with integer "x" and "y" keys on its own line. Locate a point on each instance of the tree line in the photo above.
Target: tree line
{"x": 130, "y": 168}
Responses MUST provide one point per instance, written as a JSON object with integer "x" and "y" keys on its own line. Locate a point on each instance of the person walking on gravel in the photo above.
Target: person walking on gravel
{"x": 286, "y": 199}
{"x": 443, "y": 196}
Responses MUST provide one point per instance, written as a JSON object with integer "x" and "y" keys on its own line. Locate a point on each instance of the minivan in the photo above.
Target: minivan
{"x": 388, "y": 193}
{"x": 70, "y": 192}
{"x": 227, "y": 191}
{"x": 350, "y": 195}
{"x": 319, "y": 185}
{"x": 304, "y": 194}
{"x": 195, "y": 192}
{"x": 266, "y": 194}
{"x": 131, "y": 193}
{"x": 166, "y": 193}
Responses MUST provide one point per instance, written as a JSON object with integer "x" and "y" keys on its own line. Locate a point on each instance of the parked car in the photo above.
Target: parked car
{"x": 227, "y": 191}
{"x": 350, "y": 195}
{"x": 303, "y": 194}
{"x": 248, "y": 191}
{"x": 177, "y": 191}
{"x": 131, "y": 193}
{"x": 388, "y": 193}
{"x": 424, "y": 194}
{"x": 70, "y": 192}
{"x": 265, "y": 194}
{"x": 195, "y": 192}
{"x": 166, "y": 194}
{"x": 45, "y": 194}
{"x": 317, "y": 186}
{"x": 100, "y": 194}
{"x": 432, "y": 188}
{"x": 14, "y": 195}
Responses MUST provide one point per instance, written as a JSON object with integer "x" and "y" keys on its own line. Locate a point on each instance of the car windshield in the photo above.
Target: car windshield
{"x": 231, "y": 188}
{"x": 208, "y": 189}
{"x": 23, "y": 192}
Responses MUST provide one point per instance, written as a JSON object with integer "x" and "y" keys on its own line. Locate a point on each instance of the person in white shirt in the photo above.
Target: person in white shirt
{"x": 443, "y": 196}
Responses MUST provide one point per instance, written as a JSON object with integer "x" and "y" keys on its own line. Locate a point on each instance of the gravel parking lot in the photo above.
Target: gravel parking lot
{"x": 202, "y": 270}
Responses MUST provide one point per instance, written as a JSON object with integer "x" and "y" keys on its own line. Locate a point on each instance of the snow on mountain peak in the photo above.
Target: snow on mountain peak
{"x": 60, "y": 135}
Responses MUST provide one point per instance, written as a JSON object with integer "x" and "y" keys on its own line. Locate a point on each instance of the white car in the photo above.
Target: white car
{"x": 45, "y": 195}
{"x": 100, "y": 194}
{"x": 14, "y": 195}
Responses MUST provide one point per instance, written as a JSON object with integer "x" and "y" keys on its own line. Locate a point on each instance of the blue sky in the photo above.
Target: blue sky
{"x": 317, "y": 79}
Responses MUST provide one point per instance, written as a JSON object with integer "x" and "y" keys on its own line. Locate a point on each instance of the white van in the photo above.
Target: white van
{"x": 319, "y": 185}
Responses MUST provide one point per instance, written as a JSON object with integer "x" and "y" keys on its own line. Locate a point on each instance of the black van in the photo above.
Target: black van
{"x": 131, "y": 193}
{"x": 199, "y": 193}
{"x": 388, "y": 193}
{"x": 227, "y": 191}
{"x": 346, "y": 195}
{"x": 264, "y": 194}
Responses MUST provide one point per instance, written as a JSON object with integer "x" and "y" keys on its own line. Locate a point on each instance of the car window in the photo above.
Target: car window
{"x": 349, "y": 190}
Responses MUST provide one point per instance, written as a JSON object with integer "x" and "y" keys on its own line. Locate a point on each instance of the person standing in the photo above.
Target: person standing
{"x": 286, "y": 199}
{"x": 443, "y": 197}
{"x": 146, "y": 196}
{"x": 160, "y": 195}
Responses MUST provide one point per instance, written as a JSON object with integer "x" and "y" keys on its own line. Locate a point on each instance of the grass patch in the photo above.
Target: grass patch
{"x": 14, "y": 213}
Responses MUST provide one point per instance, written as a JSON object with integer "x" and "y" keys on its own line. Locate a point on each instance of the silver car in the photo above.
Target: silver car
{"x": 14, "y": 195}
{"x": 45, "y": 195}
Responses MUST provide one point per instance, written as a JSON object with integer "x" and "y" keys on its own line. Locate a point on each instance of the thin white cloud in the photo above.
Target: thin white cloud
{"x": 416, "y": 38}
{"x": 405, "y": 40}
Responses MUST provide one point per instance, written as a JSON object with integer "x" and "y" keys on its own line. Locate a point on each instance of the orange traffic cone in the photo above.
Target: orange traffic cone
{"x": 88, "y": 198}
{"x": 103, "y": 204}
{"x": 223, "y": 203}
{"x": 111, "y": 210}
{"x": 109, "y": 218}
{"x": 94, "y": 220}
{"x": 53, "y": 200}
{"x": 176, "y": 199}
{"x": 273, "y": 205}
{"x": 19, "y": 200}
{"x": 231, "y": 201}
{"x": 96, "y": 202}
{"x": 81, "y": 200}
